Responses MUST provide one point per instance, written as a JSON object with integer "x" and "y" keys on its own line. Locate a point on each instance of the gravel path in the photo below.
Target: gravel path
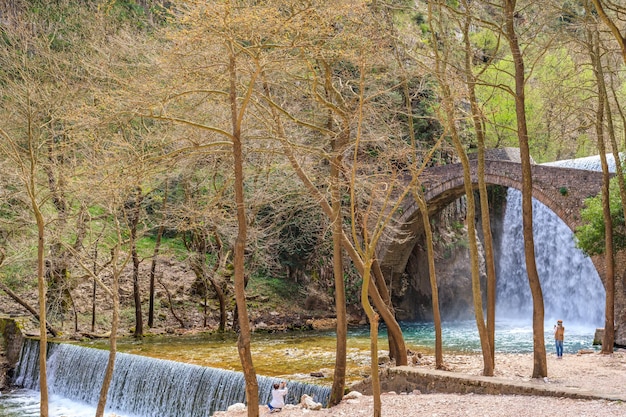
{"x": 602, "y": 374}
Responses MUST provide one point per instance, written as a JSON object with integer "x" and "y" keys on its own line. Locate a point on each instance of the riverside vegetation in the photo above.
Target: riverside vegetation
{"x": 256, "y": 149}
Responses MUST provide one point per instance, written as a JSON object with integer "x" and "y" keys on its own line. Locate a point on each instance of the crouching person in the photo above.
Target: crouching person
{"x": 279, "y": 391}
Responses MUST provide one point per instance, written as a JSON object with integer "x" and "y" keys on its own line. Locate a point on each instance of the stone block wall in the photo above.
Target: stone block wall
{"x": 406, "y": 379}
{"x": 11, "y": 340}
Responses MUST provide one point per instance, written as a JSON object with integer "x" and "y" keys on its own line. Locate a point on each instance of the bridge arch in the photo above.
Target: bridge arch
{"x": 562, "y": 190}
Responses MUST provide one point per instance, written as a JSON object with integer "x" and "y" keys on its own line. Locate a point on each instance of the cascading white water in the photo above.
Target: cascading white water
{"x": 572, "y": 289}
{"x": 146, "y": 387}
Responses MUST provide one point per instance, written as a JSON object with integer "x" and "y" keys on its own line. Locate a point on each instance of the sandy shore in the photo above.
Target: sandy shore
{"x": 594, "y": 372}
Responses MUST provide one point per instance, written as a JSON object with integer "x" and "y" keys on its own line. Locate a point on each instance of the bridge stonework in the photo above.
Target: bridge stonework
{"x": 563, "y": 190}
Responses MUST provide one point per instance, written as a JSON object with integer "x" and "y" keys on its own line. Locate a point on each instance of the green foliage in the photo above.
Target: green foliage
{"x": 554, "y": 88}
{"x": 487, "y": 44}
{"x": 499, "y": 105}
{"x": 563, "y": 191}
{"x": 557, "y": 86}
{"x": 170, "y": 246}
{"x": 130, "y": 12}
{"x": 426, "y": 127}
{"x": 272, "y": 292}
{"x": 590, "y": 236}
{"x": 12, "y": 276}
{"x": 281, "y": 287}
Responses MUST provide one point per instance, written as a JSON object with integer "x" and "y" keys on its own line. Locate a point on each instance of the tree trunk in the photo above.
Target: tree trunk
{"x": 243, "y": 342}
{"x": 609, "y": 279}
{"x": 428, "y": 234}
{"x": 134, "y": 214}
{"x": 450, "y": 123}
{"x": 155, "y": 256}
{"x": 473, "y": 246}
{"x": 383, "y": 290}
{"x": 339, "y": 377}
{"x": 43, "y": 336}
{"x": 615, "y": 30}
{"x": 482, "y": 187}
{"x": 115, "y": 319}
{"x": 540, "y": 366}
{"x": 373, "y": 319}
{"x": 393, "y": 328}
{"x": 94, "y": 288}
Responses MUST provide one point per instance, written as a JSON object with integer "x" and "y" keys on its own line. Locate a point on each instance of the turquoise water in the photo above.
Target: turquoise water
{"x": 294, "y": 355}
{"x": 511, "y": 336}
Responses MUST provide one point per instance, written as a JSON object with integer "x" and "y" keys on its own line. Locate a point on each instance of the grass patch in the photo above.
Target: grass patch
{"x": 277, "y": 290}
{"x": 169, "y": 246}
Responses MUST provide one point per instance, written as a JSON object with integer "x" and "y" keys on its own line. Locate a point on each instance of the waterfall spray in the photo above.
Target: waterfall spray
{"x": 571, "y": 286}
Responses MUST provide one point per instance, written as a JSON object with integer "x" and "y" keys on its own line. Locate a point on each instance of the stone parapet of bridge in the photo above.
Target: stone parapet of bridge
{"x": 563, "y": 190}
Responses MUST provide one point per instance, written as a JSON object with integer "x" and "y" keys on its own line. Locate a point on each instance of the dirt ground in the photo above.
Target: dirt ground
{"x": 601, "y": 374}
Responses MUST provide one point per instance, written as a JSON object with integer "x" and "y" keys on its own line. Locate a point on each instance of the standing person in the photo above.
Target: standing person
{"x": 559, "y": 332}
{"x": 278, "y": 397}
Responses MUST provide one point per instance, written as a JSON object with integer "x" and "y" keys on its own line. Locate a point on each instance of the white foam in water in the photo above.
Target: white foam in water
{"x": 572, "y": 289}
{"x": 142, "y": 386}
{"x": 25, "y": 403}
{"x": 571, "y": 286}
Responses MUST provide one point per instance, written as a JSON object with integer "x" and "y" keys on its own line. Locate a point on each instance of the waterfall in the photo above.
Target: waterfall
{"x": 146, "y": 387}
{"x": 571, "y": 286}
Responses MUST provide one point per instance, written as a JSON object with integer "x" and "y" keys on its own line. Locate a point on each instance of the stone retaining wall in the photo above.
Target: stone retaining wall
{"x": 11, "y": 340}
{"x": 406, "y": 379}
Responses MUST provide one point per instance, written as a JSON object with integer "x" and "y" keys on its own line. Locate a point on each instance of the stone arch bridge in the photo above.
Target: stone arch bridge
{"x": 563, "y": 190}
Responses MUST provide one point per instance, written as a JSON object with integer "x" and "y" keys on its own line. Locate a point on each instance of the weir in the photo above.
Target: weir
{"x": 146, "y": 387}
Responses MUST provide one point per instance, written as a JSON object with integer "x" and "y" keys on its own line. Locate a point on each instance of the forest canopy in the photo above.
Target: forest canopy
{"x": 116, "y": 121}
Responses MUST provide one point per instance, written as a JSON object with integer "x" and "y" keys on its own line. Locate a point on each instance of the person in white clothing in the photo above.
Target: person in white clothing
{"x": 278, "y": 397}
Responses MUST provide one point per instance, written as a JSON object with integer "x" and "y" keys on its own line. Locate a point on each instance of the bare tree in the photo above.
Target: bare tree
{"x": 441, "y": 62}
{"x": 373, "y": 205}
{"x": 479, "y": 129}
{"x": 609, "y": 256}
{"x": 603, "y": 7}
{"x": 24, "y": 154}
{"x": 540, "y": 367}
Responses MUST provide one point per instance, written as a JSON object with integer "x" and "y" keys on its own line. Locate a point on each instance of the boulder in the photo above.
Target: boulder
{"x": 352, "y": 395}
{"x": 237, "y": 407}
{"x": 306, "y": 401}
{"x": 598, "y": 336}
